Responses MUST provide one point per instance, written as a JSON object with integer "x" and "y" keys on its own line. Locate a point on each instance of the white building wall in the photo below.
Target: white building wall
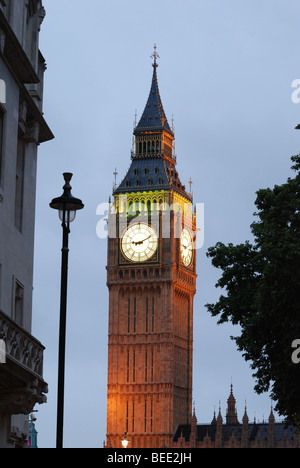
{"x": 17, "y": 244}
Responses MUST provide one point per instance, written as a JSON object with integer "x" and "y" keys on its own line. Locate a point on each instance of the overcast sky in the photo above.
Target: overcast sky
{"x": 225, "y": 73}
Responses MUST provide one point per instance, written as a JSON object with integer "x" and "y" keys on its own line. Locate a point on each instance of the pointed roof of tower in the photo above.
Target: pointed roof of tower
{"x": 231, "y": 415}
{"x": 153, "y": 118}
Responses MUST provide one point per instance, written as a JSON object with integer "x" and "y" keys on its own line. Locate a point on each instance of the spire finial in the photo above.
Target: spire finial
{"x": 155, "y": 56}
{"x": 115, "y": 174}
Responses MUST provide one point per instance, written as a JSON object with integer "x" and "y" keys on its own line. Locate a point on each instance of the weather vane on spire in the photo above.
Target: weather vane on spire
{"x": 155, "y": 56}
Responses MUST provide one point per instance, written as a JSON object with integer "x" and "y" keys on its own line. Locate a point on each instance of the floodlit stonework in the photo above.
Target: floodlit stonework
{"x": 151, "y": 279}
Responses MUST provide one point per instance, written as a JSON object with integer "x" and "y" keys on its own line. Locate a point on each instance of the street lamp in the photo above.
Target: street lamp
{"x": 125, "y": 441}
{"x": 67, "y": 205}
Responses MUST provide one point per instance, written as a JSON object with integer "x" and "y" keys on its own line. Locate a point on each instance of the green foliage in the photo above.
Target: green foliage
{"x": 262, "y": 284}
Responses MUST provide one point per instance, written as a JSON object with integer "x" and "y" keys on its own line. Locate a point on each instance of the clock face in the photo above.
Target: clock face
{"x": 186, "y": 247}
{"x": 139, "y": 242}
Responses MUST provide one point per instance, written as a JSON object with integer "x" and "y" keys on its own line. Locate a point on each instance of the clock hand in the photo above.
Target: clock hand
{"x": 140, "y": 242}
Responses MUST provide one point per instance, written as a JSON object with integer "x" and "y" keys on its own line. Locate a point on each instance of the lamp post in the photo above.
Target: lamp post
{"x": 67, "y": 205}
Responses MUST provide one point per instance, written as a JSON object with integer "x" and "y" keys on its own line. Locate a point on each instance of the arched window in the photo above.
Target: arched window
{"x": 157, "y": 147}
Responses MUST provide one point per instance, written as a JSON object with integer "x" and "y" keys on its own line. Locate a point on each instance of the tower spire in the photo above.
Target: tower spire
{"x": 231, "y": 415}
{"x": 154, "y": 118}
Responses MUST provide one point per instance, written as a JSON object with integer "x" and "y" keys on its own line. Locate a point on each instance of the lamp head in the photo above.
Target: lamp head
{"x": 67, "y": 205}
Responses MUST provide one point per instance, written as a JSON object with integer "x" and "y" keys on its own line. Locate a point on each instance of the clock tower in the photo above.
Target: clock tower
{"x": 151, "y": 277}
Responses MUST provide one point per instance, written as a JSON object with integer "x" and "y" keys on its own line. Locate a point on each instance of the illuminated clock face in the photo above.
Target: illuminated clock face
{"x": 139, "y": 242}
{"x": 186, "y": 247}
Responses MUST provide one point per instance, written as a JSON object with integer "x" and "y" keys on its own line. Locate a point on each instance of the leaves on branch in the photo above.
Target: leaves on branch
{"x": 262, "y": 285}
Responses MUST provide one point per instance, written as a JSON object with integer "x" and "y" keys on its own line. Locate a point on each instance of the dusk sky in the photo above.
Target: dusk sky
{"x": 225, "y": 74}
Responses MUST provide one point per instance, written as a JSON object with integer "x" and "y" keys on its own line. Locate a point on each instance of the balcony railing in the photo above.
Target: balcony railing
{"x": 21, "y": 369}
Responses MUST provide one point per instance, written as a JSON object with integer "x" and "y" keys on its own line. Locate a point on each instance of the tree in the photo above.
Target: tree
{"x": 262, "y": 282}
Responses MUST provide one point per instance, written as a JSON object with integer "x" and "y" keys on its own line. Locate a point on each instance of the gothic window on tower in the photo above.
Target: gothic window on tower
{"x": 151, "y": 416}
{"x": 128, "y": 366}
{"x": 128, "y": 317}
{"x": 153, "y": 314}
{"x": 147, "y": 314}
{"x": 133, "y": 367}
{"x": 152, "y": 362}
{"x": 133, "y": 417}
{"x": 149, "y": 360}
{"x": 134, "y": 315}
{"x": 146, "y": 366}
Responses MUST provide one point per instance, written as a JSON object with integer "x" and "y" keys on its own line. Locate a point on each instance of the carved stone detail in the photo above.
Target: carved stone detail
{"x": 21, "y": 346}
{"x": 23, "y": 385}
{"x": 32, "y": 131}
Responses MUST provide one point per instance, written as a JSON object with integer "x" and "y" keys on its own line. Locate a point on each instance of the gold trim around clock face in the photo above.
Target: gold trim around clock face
{"x": 186, "y": 248}
{"x": 139, "y": 243}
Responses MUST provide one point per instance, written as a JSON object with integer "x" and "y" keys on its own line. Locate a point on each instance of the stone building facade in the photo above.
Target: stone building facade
{"x": 230, "y": 433}
{"x": 22, "y": 129}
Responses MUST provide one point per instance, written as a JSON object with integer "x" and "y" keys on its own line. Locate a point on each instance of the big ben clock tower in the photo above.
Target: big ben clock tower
{"x": 151, "y": 277}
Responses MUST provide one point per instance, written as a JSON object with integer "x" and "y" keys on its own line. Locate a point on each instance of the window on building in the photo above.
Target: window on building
{"x": 147, "y": 314}
{"x": 128, "y": 317}
{"x": 134, "y": 315}
{"x": 128, "y": 365}
{"x": 127, "y": 417}
{"x": 133, "y": 367}
{"x": 133, "y": 415}
{"x": 151, "y": 416}
{"x": 153, "y": 314}
{"x": 146, "y": 366}
{"x": 19, "y": 195}
{"x": 18, "y": 302}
